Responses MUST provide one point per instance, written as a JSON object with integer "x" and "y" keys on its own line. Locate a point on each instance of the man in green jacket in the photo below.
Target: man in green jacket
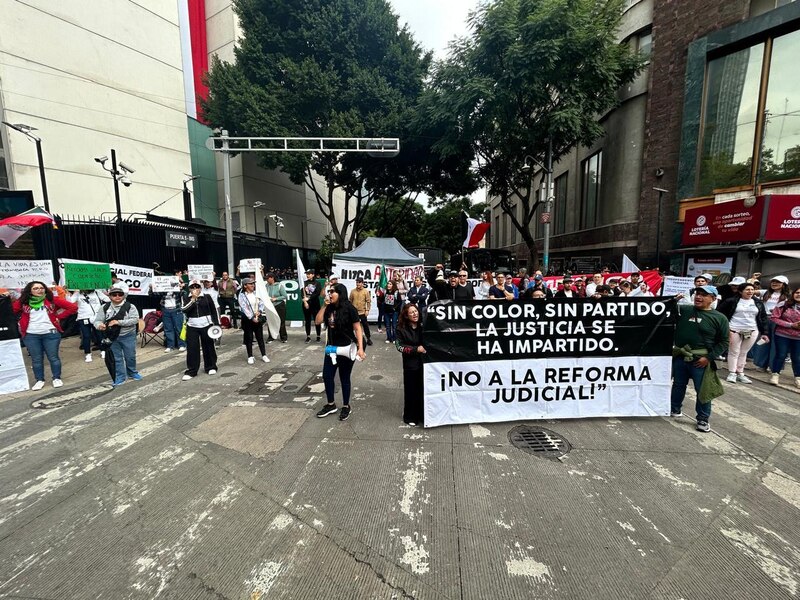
{"x": 701, "y": 334}
{"x": 277, "y": 293}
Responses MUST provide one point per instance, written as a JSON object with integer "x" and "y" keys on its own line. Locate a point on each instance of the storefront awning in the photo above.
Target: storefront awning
{"x": 789, "y": 253}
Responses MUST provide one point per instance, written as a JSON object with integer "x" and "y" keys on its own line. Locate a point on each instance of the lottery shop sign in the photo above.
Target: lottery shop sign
{"x": 533, "y": 359}
{"x": 724, "y": 222}
{"x": 783, "y": 218}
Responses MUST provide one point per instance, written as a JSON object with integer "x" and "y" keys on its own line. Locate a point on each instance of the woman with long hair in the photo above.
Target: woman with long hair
{"x": 777, "y": 293}
{"x": 344, "y": 330}
{"x": 254, "y": 314}
{"x": 402, "y": 289}
{"x": 409, "y": 343}
{"x": 747, "y": 320}
{"x": 786, "y": 317}
{"x": 487, "y": 283}
{"x": 391, "y": 307}
{"x": 201, "y": 314}
{"x": 40, "y": 328}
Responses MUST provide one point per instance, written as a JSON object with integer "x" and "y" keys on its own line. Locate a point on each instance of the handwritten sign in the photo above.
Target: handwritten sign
{"x": 166, "y": 283}
{"x": 201, "y": 272}
{"x": 249, "y": 265}
{"x": 16, "y": 274}
{"x": 87, "y": 276}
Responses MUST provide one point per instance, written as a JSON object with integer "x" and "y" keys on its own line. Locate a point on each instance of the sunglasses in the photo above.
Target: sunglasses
{"x": 116, "y": 294}
{"x": 194, "y": 287}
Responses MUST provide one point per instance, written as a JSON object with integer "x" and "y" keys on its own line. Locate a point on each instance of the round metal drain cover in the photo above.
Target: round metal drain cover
{"x": 228, "y": 375}
{"x": 376, "y": 377}
{"x": 539, "y": 441}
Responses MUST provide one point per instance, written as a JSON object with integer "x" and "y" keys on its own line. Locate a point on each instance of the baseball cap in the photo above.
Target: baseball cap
{"x": 333, "y": 278}
{"x": 115, "y": 288}
{"x": 309, "y": 271}
{"x": 738, "y": 281}
{"x": 707, "y": 289}
{"x": 706, "y": 276}
{"x": 782, "y": 278}
{"x": 195, "y": 282}
{"x": 247, "y": 280}
{"x": 538, "y": 277}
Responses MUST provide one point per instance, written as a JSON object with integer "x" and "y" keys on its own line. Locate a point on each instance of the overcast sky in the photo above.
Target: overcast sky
{"x": 434, "y": 24}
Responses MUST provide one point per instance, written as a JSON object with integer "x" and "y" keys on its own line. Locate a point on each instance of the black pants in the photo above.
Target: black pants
{"x": 345, "y": 367}
{"x": 413, "y": 396}
{"x": 197, "y": 337}
{"x": 308, "y": 316}
{"x": 232, "y": 308}
{"x": 281, "y": 310}
{"x": 250, "y": 330}
{"x": 364, "y": 325}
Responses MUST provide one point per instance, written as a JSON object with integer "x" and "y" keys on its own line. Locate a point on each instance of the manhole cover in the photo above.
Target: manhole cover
{"x": 539, "y": 441}
{"x": 376, "y": 377}
{"x": 228, "y": 375}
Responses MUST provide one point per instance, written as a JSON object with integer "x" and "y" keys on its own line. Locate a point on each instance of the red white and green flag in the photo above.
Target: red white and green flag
{"x": 12, "y": 228}
{"x": 384, "y": 280}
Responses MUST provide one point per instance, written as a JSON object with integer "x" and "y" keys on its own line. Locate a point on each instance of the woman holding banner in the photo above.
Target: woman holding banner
{"x": 89, "y": 303}
{"x": 40, "y": 328}
{"x": 409, "y": 343}
{"x": 254, "y": 312}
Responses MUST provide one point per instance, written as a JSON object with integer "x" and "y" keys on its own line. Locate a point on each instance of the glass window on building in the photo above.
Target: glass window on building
{"x": 780, "y": 154}
{"x": 3, "y": 171}
{"x": 759, "y": 7}
{"x": 729, "y": 120}
{"x": 497, "y": 241}
{"x": 560, "y": 204}
{"x": 236, "y": 221}
{"x": 590, "y": 189}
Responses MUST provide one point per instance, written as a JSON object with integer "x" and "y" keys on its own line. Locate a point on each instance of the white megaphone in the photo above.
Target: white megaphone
{"x": 215, "y": 332}
{"x": 350, "y": 352}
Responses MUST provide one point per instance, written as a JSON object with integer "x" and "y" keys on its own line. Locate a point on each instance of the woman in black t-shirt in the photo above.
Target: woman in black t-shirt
{"x": 344, "y": 329}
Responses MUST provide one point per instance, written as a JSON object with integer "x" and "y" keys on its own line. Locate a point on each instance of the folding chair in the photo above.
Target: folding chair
{"x": 153, "y": 329}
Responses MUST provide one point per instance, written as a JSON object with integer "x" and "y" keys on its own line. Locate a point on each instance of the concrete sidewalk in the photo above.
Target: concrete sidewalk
{"x": 228, "y": 487}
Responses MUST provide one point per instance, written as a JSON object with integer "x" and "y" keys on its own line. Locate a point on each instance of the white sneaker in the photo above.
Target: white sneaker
{"x": 57, "y": 383}
{"x": 102, "y": 353}
{"x": 212, "y": 371}
{"x": 265, "y": 358}
{"x": 251, "y": 360}
{"x": 187, "y": 377}
{"x": 38, "y": 385}
{"x": 775, "y": 379}
{"x": 168, "y": 350}
{"x": 182, "y": 349}
{"x": 731, "y": 378}
{"x": 742, "y": 378}
{"x": 88, "y": 358}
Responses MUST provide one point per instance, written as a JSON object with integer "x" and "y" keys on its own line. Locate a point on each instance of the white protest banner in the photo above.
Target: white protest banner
{"x": 533, "y": 359}
{"x": 137, "y": 278}
{"x": 166, "y": 283}
{"x": 348, "y": 272}
{"x": 16, "y": 274}
{"x": 13, "y": 374}
{"x": 249, "y": 265}
{"x": 677, "y": 285}
{"x": 201, "y": 272}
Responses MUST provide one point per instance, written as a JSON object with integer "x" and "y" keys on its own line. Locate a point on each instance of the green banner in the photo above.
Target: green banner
{"x": 84, "y": 276}
{"x": 294, "y": 305}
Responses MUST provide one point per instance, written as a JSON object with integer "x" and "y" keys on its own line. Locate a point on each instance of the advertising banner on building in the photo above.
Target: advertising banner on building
{"x": 724, "y": 222}
{"x": 783, "y": 218}
{"x": 348, "y": 272}
{"x": 575, "y": 358}
{"x": 16, "y": 274}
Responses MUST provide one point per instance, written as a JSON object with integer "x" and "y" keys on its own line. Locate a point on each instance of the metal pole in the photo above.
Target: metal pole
{"x": 548, "y": 206}
{"x": 658, "y": 230}
{"x": 41, "y": 174}
{"x": 114, "y": 176}
{"x": 226, "y": 176}
{"x": 187, "y": 202}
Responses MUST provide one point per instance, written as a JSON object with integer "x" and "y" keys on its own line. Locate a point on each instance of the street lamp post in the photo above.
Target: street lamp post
{"x": 661, "y": 192}
{"x": 26, "y": 131}
{"x": 548, "y": 202}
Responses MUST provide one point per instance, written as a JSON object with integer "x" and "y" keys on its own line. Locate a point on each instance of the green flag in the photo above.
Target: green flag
{"x": 383, "y": 281}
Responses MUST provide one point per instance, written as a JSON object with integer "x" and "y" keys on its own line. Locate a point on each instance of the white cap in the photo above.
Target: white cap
{"x": 706, "y": 276}
{"x": 738, "y": 281}
{"x": 782, "y": 278}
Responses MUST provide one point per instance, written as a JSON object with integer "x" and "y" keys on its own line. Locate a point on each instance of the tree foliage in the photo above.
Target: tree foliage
{"x": 530, "y": 73}
{"x": 333, "y": 68}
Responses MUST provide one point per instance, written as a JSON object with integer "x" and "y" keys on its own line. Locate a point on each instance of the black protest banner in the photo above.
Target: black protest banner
{"x": 498, "y": 360}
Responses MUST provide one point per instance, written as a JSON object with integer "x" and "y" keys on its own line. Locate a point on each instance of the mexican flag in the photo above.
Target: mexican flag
{"x": 384, "y": 280}
{"x": 13, "y": 227}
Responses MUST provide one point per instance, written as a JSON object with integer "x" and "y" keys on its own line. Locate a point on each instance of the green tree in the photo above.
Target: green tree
{"x": 392, "y": 217}
{"x": 531, "y": 73}
{"x": 331, "y": 68}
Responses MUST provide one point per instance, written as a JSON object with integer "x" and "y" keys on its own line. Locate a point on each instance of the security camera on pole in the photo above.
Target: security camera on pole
{"x": 119, "y": 173}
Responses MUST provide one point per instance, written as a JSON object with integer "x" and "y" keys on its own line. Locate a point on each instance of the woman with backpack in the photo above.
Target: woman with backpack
{"x": 118, "y": 321}
{"x": 40, "y": 328}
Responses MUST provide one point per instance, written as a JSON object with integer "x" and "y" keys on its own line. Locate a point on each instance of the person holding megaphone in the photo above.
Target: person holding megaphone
{"x": 344, "y": 346}
{"x": 201, "y": 315}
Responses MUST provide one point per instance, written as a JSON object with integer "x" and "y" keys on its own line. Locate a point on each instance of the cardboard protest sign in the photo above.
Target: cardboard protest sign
{"x": 201, "y": 272}
{"x": 533, "y": 359}
{"x": 16, "y": 274}
{"x": 249, "y": 265}
{"x": 166, "y": 283}
{"x": 87, "y": 276}
{"x": 677, "y": 285}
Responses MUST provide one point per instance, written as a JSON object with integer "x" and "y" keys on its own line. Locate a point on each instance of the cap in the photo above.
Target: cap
{"x": 333, "y": 277}
{"x": 706, "y": 276}
{"x": 440, "y": 276}
{"x": 195, "y": 282}
{"x": 309, "y": 271}
{"x": 270, "y": 274}
{"x": 247, "y": 280}
{"x": 115, "y": 288}
{"x": 708, "y": 289}
{"x": 567, "y": 278}
{"x": 782, "y": 278}
{"x": 738, "y": 281}
{"x": 538, "y": 277}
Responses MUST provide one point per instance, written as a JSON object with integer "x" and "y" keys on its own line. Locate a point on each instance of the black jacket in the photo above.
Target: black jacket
{"x": 728, "y": 307}
{"x": 407, "y": 342}
{"x": 203, "y": 306}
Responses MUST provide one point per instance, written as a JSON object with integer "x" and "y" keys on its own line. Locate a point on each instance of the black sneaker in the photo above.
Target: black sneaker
{"x": 369, "y": 342}
{"x": 703, "y": 426}
{"x": 317, "y": 338}
{"x": 308, "y": 339}
{"x": 343, "y": 416}
{"x": 326, "y": 410}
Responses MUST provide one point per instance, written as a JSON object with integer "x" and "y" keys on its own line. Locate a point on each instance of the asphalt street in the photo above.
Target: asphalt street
{"x": 228, "y": 487}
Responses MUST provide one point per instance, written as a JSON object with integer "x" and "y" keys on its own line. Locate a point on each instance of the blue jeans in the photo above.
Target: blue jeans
{"x": 391, "y": 324}
{"x": 39, "y": 344}
{"x": 89, "y": 336}
{"x": 345, "y": 368}
{"x": 784, "y": 347}
{"x": 124, "y": 350}
{"x": 682, "y": 372}
{"x": 764, "y": 355}
{"x": 173, "y": 323}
